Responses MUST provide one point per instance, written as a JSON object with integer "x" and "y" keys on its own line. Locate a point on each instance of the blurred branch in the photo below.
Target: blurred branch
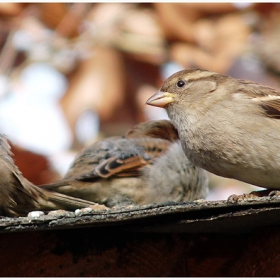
{"x": 7, "y": 55}
{"x": 72, "y": 19}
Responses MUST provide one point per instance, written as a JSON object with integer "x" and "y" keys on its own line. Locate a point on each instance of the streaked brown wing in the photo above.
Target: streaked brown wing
{"x": 271, "y": 108}
{"x": 128, "y": 164}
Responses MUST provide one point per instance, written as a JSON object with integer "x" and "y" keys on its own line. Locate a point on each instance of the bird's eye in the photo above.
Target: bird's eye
{"x": 181, "y": 83}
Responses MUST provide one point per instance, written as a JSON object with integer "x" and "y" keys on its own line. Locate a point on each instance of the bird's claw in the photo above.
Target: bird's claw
{"x": 241, "y": 197}
{"x": 274, "y": 193}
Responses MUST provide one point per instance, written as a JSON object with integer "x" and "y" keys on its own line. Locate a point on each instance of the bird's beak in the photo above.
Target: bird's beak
{"x": 160, "y": 99}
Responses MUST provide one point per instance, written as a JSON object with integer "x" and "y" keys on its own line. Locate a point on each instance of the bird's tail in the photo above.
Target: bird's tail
{"x": 18, "y": 196}
{"x": 55, "y": 185}
{"x": 55, "y": 200}
{"x": 26, "y": 197}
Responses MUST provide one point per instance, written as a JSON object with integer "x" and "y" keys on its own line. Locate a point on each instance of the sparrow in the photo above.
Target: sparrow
{"x": 146, "y": 165}
{"x": 18, "y": 196}
{"x": 227, "y": 126}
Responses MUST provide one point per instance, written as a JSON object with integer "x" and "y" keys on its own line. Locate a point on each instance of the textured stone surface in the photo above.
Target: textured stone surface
{"x": 221, "y": 216}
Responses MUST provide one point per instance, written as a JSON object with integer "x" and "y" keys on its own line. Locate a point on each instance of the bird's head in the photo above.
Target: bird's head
{"x": 188, "y": 85}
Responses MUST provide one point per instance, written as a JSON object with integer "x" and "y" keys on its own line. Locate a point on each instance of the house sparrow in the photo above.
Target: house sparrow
{"x": 18, "y": 196}
{"x": 227, "y": 126}
{"x": 145, "y": 166}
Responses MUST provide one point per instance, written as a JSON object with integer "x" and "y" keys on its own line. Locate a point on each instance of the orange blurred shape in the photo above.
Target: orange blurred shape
{"x": 34, "y": 167}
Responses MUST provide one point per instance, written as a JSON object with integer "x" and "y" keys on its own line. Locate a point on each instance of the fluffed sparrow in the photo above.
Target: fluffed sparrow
{"x": 145, "y": 166}
{"x": 227, "y": 126}
{"x": 18, "y": 196}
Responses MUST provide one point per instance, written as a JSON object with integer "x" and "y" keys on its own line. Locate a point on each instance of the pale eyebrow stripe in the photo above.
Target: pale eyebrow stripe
{"x": 200, "y": 75}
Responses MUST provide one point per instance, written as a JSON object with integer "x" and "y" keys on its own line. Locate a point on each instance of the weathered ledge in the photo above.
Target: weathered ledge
{"x": 188, "y": 217}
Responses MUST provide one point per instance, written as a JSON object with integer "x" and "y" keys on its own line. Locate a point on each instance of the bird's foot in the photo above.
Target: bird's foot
{"x": 236, "y": 198}
{"x": 274, "y": 193}
{"x": 255, "y": 194}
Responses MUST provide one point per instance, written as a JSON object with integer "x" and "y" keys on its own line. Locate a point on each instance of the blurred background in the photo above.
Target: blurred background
{"x": 74, "y": 73}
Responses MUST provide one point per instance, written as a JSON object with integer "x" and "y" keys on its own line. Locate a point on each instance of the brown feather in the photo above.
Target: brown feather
{"x": 268, "y": 98}
{"x": 271, "y": 108}
{"x": 162, "y": 129}
{"x": 115, "y": 167}
{"x": 254, "y": 90}
{"x": 127, "y": 164}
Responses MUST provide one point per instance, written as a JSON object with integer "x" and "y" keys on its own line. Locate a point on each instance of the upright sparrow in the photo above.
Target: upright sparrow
{"x": 18, "y": 196}
{"x": 147, "y": 165}
{"x": 229, "y": 127}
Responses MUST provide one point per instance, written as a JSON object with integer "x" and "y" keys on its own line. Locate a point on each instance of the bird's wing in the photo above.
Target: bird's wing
{"x": 127, "y": 163}
{"x": 120, "y": 157}
{"x": 267, "y": 97}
